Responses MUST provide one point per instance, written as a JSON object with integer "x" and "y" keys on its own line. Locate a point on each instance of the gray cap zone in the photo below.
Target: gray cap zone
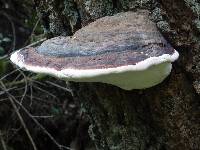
{"x": 125, "y": 39}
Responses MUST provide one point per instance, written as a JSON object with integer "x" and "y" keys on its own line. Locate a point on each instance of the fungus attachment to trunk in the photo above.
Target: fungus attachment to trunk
{"x": 125, "y": 50}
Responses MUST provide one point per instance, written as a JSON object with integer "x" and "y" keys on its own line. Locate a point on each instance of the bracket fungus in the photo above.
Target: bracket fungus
{"x": 125, "y": 50}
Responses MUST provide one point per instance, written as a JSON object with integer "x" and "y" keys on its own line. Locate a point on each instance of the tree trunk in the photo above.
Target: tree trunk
{"x": 166, "y": 116}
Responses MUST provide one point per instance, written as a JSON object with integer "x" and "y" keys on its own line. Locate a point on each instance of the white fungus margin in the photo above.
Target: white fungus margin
{"x": 144, "y": 74}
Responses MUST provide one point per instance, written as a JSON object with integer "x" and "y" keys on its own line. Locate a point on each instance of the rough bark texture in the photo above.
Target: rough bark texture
{"x": 166, "y": 116}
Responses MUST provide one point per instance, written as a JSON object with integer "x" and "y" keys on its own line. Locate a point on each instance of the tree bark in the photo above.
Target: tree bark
{"x": 166, "y": 116}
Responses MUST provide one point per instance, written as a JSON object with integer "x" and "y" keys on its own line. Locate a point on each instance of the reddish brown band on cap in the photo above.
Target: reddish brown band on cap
{"x": 120, "y": 40}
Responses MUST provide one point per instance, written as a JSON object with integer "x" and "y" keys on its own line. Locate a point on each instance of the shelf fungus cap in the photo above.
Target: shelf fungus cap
{"x": 125, "y": 50}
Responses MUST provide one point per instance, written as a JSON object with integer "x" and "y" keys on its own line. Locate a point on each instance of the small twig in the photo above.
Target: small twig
{"x": 31, "y": 92}
{"x": 45, "y": 91}
{"x": 16, "y": 78}
{"x": 12, "y": 132}
{"x": 4, "y": 92}
{"x": 11, "y": 98}
{"x": 35, "y": 26}
{"x": 26, "y": 85}
{"x": 34, "y": 44}
{"x": 18, "y": 89}
{"x": 2, "y": 141}
{"x": 41, "y": 126}
{"x": 57, "y": 85}
{"x": 38, "y": 82}
{"x": 10, "y": 84}
{"x": 8, "y": 74}
{"x": 44, "y": 117}
{"x": 2, "y": 100}
{"x": 6, "y": 99}
{"x": 4, "y": 57}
